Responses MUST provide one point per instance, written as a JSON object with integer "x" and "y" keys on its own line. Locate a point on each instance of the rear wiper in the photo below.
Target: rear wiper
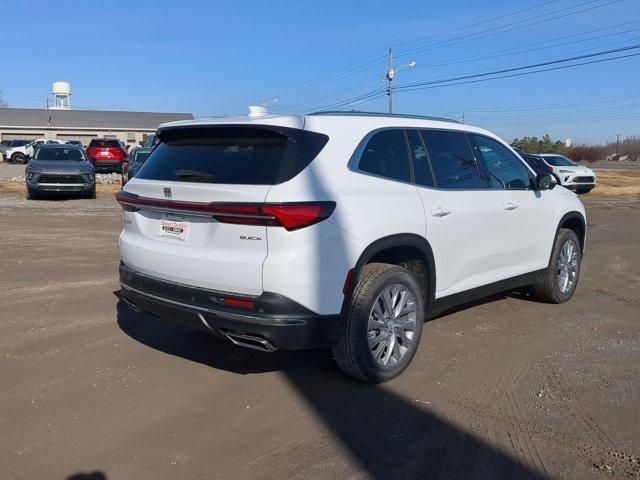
{"x": 194, "y": 176}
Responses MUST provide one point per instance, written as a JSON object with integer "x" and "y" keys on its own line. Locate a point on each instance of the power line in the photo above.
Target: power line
{"x": 409, "y": 87}
{"x": 358, "y": 64}
{"x": 495, "y": 74}
{"x": 501, "y": 53}
{"x": 501, "y": 29}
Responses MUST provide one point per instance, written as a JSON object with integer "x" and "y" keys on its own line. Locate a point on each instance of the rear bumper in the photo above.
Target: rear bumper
{"x": 106, "y": 165}
{"x": 273, "y": 323}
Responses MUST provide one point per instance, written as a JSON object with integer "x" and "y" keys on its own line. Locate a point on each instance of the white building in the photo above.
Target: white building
{"x": 82, "y": 125}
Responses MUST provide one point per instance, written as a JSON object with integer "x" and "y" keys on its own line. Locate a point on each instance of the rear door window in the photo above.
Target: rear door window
{"x": 385, "y": 154}
{"x": 502, "y": 169}
{"x": 453, "y": 163}
{"x": 421, "y": 165}
{"x": 230, "y": 155}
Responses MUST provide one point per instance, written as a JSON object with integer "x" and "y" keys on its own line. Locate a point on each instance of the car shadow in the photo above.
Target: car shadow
{"x": 387, "y": 435}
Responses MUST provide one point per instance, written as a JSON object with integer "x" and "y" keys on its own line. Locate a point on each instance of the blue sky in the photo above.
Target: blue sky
{"x": 212, "y": 57}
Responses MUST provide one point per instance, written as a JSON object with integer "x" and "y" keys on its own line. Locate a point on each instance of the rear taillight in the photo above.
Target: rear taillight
{"x": 291, "y": 216}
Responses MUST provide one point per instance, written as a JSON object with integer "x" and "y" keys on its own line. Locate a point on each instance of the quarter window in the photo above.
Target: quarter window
{"x": 503, "y": 169}
{"x": 421, "y": 167}
{"x": 451, "y": 159}
{"x": 386, "y": 155}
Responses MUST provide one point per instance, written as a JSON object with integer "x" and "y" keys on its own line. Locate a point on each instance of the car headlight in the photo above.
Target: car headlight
{"x": 30, "y": 175}
{"x": 566, "y": 171}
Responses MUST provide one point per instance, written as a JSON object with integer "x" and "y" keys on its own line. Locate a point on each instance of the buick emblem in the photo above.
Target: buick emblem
{"x": 167, "y": 193}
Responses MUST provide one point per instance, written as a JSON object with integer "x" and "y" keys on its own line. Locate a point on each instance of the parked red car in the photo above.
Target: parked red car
{"x": 106, "y": 154}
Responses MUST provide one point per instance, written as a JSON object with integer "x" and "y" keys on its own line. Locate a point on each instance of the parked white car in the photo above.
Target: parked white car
{"x": 346, "y": 230}
{"x": 23, "y": 153}
{"x": 570, "y": 174}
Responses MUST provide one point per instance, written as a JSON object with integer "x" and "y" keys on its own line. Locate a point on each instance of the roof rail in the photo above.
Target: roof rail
{"x": 357, "y": 113}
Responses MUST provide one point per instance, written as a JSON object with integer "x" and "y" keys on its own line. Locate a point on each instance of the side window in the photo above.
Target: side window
{"x": 451, "y": 159}
{"x": 421, "y": 166}
{"x": 504, "y": 171}
{"x": 386, "y": 155}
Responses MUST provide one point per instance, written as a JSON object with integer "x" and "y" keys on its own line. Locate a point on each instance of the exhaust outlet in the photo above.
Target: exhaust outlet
{"x": 250, "y": 341}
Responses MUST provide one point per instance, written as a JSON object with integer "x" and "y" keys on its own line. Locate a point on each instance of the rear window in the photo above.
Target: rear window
{"x": 104, "y": 144}
{"x": 233, "y": 155}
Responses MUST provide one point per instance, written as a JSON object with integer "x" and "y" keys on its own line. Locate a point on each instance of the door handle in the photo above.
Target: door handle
{"x": 440, "y": 212}
{"x": 510, "y": 206}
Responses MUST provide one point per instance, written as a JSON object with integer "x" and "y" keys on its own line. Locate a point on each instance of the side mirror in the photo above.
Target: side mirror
{"x": 545, "y": 181}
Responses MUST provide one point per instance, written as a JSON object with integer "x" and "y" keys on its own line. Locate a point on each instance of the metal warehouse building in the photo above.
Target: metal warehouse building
{"x": 82, "y": 125}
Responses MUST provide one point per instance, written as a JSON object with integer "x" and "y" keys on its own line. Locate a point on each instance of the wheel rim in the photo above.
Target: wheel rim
{"x": 568, "y": 266}
{"x": 392, "y": 325}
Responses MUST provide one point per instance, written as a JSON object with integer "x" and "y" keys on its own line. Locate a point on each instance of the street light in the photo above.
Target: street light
{"x": 391, "y": 73}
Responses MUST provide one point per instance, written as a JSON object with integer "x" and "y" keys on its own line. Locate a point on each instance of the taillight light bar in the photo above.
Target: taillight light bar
{"x": 290, "y": 215}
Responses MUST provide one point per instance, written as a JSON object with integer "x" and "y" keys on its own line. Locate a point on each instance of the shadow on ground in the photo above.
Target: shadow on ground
{"x": 387, "y": 435}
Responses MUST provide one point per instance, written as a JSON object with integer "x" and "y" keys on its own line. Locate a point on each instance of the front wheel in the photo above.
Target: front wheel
{"x": 19, "y": 158}
{"x": 581, "y": 191}
{"x": 383, "y": 326}
{"x": 560, "y": 281}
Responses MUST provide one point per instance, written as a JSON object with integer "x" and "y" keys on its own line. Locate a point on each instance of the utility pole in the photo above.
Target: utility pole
{"x": 617, "y": 142}
{"x": 390, "y": 73}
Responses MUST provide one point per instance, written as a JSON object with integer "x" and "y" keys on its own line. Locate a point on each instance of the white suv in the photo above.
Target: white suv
{"x": 346, "y": 230}
{"x": 570, "y": 174}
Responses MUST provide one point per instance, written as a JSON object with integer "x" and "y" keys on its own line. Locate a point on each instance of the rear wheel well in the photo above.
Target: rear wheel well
{"x": 410, "y": 257}
{"x": 578, "y": 227}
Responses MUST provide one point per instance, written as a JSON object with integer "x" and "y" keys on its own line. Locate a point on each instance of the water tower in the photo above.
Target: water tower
{"x": 61, "y": 95}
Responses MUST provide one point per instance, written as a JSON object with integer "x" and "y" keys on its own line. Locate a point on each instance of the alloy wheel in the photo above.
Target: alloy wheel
{"x": 568, "y": 266}
{"x": 392, "y": 325}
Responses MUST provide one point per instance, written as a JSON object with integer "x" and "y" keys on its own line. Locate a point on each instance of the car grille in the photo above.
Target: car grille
{"x": 583, "y": 179}
{"x": 61, "y": 179}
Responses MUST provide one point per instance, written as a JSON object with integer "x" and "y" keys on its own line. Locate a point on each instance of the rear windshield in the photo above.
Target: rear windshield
{"x": 73, "y": 154}
{"x": 237, "y": 155}
{"x": 104, "y": 144}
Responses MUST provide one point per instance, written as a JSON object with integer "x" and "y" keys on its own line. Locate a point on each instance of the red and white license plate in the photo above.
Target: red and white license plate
{"x": 104, "y": 153}
{"x": 172, "y": 228}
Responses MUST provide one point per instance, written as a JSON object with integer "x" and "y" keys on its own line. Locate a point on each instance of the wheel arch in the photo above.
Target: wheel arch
{"x": 398, "y": 249}
{"x": 574, "y": 221}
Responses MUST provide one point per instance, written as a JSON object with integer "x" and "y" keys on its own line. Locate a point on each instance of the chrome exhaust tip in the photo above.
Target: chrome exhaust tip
{"x": 250, "y": 341}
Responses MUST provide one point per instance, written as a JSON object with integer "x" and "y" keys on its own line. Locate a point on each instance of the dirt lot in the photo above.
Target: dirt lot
{"x": 505, "y": 388}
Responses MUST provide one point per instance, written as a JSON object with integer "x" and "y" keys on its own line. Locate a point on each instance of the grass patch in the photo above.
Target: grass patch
{"x": 617, "y": 184}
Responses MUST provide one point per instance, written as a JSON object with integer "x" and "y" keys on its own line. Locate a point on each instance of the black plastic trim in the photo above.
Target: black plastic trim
{"x": 283, "y": 322}
{"x": 398, "y": 240}
{"x": 568, "y": 216}
{"x": 443, "y": 304}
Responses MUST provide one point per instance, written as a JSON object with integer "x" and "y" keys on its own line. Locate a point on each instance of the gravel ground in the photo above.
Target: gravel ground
{"x": 502, "y": 388}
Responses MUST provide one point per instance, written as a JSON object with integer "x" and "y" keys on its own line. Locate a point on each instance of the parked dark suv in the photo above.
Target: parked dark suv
{"x": 60, "y": 169}
{"x": 106, "y": 154}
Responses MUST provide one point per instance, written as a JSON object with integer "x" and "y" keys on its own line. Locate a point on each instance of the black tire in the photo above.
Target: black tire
{"x": 31, "y": 196}
{"x": 548, "y": 289}
{"x": 19, "y": 158}
{"x": 581, "y": 191}
{"x": 92, "y": 194}
{"x": 352, "y": 351}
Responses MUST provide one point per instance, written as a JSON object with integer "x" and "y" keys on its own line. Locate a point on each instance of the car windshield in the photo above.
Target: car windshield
{"x": 559, "y": 161}
{"x": 20, "y": 143}
{"x": 73, "y": 154}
